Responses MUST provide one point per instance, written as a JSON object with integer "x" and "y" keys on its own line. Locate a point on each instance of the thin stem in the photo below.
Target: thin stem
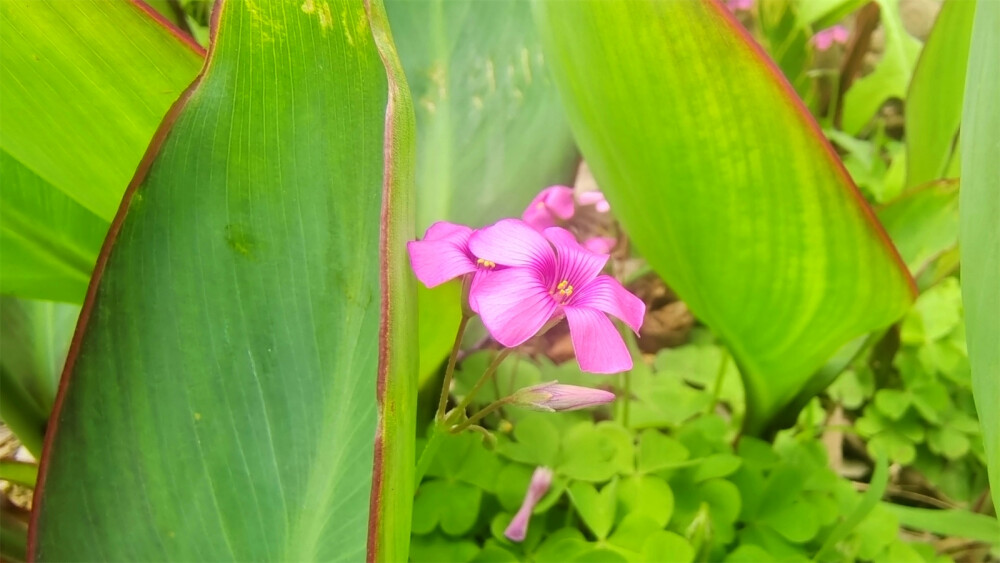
{"x": 427, "y": 456}
{"x": 627, "y": 398}
{"x": 480, "y": 415}
{"x": 482, "y": 380}
{"x": 717, "y": 389}
{"x": 449, "y": 372}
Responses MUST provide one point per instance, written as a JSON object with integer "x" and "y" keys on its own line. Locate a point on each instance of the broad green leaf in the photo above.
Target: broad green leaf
{"x": 34, "y": 339}
{"x": 923, "y": 223}
{"x": 491, "y": 133}
{"x": 934, "y": 102}
{"x": 980, "y": 230}
{"x": 49, "y": 241}
{"x": 725, "y": 185}
{"x": 890, "y": 77}
{"x": 490, "y": 129}
{"x": 233, "y": 363}
{"x": 85, "y": 85}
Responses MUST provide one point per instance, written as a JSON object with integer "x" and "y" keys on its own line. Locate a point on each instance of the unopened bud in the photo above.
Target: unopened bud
{"x": 553, "y": 396}
{"x": 541, "y": 479}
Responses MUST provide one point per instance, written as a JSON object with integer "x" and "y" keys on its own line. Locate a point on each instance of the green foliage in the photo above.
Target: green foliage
{"x": 96, "y": 79}
{"x": 890, "y": 77}
{"x": 934, "y": 100}
{"x": 677, "y": 489}
{"x": 712, "y": 174}
{"x": 237, "y": 341}
{"x": 980, "y": 231}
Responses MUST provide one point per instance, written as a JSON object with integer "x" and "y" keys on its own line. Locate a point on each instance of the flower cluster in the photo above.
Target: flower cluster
{"x": 524, "y": 274}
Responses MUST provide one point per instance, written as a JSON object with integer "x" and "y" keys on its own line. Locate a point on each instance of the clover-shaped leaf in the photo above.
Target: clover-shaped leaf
{"x": 647, "y": 495}
{"x": 596, "y": 509}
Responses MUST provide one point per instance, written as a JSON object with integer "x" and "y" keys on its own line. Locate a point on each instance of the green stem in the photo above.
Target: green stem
{"x": 480, "y": 415}
{"x": 20, "y": 472}
{"x": 430, "y": 450}
{"x": 449, "y": 372}
{"x": 627, "y": 398}
{"x": 482, "y": 380}
{"x": 717, "y": 389}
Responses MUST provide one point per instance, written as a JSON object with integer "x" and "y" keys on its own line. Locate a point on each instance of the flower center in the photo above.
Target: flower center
{"x": 487, "y": 264}
{"x": 562, "y": 292}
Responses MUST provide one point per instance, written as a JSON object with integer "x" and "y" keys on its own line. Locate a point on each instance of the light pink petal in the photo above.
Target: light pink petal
{"x": 576, "y": 264}
{"x": 606, "y": 294}
{"x": 599, "y": 348}
{"x": 840, "y": 33}
{"x": 446, "y": 230}
{"x": 513, "y": 303}
{"x": 437, "y": 261}
{"x": 511, "y": 242}
{"x": 599, "y": 245}
{"x": 825, "y": 39}
{"x": 559, "y": 200}
{"x": 518, "y": 527}
{"x": 596, "y": 199}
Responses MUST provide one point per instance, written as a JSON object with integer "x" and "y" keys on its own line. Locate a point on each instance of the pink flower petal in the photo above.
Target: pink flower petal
{"x": 576, "y": 264}
{"x": 552, "y": 202}
{"x": 599, "y": 245}
{"x": 606, "y": 294}
{"x": 446, "y": 230}
{"x": 513, "y": 303}
{"x": 599, "y": 348}
{"x": 511, "y": 242}
{"x": 559, "y": 199}
{"x": 596, "y": 199}
{"x": 437, "y": 261}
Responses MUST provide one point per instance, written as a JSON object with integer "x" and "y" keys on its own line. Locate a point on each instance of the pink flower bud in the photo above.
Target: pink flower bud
{"x": 551, "y": 205}
{"x": 553, "y": 396}
{"x": 541, "y": 479}
{"x": 825, "y": 39}
{"x": 599, "y": 245}
{"x": 596, "y": 199}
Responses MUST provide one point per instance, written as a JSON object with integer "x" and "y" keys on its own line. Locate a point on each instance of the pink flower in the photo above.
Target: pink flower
{"x": 552, "y": 397}
{"x": 444, "y": 254}
{"x": 542, "y": 283}
{"x": 551, "y": 203}
{"x": 737, "y": 5}
{"x": 596, "y": 199}
{"x": 825, "y": 39}
{"x": 599, "y": 245}
{"x": 541, "y": 479}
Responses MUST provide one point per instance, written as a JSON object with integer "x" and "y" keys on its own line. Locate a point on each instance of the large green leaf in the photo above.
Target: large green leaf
{"x": 725, "y": 184}
{"x": 219, "y": 402}
{"x": 491, "y": 132}
{"x": 85, "y": 85}
{"x": 934, "y": 103}
{"x": 980, "y": 230}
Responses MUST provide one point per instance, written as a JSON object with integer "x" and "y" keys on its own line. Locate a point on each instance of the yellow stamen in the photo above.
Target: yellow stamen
{"x": 486, "y": 263}
{"x": 564, "y": 290}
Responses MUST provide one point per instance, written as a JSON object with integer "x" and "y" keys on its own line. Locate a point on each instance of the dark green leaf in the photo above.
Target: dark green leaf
{"x": 234, "y": 360}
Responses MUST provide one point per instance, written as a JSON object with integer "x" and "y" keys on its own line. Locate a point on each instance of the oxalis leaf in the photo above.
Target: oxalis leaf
{"x": 725, "y": 184}
{"x": 232, "y": 365}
